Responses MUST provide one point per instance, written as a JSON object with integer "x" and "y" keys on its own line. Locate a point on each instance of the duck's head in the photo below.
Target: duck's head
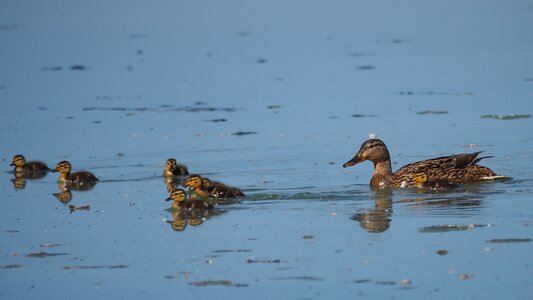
{"x": 195, "y": 181}
{"x": 171, "y": 164}
{"x": 18, "y": 161}
{"x": 177, "y": 195}
{"x": 63, "y": 167}
{"x": 373, "y": 150}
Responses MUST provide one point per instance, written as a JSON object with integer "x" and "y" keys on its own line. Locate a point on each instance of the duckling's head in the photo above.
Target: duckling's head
{"x": 171, "y": 164}
{"x": 373, "y": 150}
{"x": 420, "y": 178}
{"x": 177, "y": 195}
{"x": 18, "y": 161}
{"x": 63, "y": 167}
{"x": 195, "y": 181}
{"x": 206, "y": 182}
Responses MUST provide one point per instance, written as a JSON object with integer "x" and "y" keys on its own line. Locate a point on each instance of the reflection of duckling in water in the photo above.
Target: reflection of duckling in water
{"x": 19, "y": 182}
{"x": 173, "y": 169}
{"x": 180, "y": 202}
{"x": 204, "y": 188}
{"x": 30, "y": 170}
{"x": 79, "y": 180}
{"x": 64, "y": 196}
{"x": 183, "y": 218}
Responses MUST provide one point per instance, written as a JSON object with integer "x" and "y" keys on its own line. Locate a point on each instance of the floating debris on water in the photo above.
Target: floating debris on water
{"x": 366, "y": 67}
{"x": 96, "y": 267}
{"x": 44, "y": 254}
{"x": 261, "y": 61}
{"x": 49, "y": 245}
{"x": 78, "y": 68}
{"x": 263, "y": 261}
{"x": 191, "y": 109}
{"x": 465, "y": 276}
{"x": 432, "y": 112}
{"x": 363, "y": 116}
{"x": 239, "y": 133}
{"x": 404, "y": 281}
{"x": 450, "y": 227}
{"x": 508, "y": 241}
{"x": 74, "y": 208}
{"x": 216, "y": 283}
{"x": 10, "y": 267}
{"x": 432, "y": 93}
{"x": 216, "y": 120}
{"x": 232, "y": 251}
{"x": 442, "y": 252}
{"x": 274, "y": 107}
{"x": 52, "y": 68}
{"x": 304, "y": 278}
{"x": 361, "y": 54}
{"x": 506, "y": 117}
{"x": 308, "y": 237}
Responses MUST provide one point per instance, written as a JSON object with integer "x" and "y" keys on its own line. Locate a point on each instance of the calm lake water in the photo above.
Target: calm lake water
{"x": 272, "y": 97}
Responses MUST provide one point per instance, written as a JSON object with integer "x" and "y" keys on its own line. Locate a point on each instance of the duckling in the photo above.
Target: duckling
{"x": 422, "y": 181}
{"x": 77, "y": 180}
{"x": 460, "y": 168}
{"x": 174, "y": 169}
{"x": 179, "y": 196}
{"x": 222, "y": 190}
{"x": 196, "y": 184}
{"x": 31, "y": 169}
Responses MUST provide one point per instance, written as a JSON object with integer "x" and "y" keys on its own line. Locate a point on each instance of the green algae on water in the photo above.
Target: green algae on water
{"x": 450, "y": 227}
{"x": 506, "y": 117}
{"x": 508, "y": 241}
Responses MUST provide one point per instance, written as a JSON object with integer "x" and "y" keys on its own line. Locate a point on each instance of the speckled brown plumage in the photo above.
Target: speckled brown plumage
{"x": 451, "y": 169}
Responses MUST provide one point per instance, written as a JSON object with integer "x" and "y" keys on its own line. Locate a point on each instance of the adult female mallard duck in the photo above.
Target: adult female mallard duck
{"x": 31, "y": 169}
{"x": 75, "y": 180}
{"x": 453, "y": 169}
{"x": 208, "y": 189}
{"x": 180, "y": 201}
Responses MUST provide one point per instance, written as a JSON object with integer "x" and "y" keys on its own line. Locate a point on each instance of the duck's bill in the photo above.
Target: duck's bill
{"x": 352, "y": 162}
{"x": 169, "y": 198}
{"x": 12, "y": 164}
{"x": 54, "y": 170}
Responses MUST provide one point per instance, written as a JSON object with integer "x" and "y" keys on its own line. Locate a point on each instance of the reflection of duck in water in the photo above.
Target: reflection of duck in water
{"x": 81, "y": 180}
{"x": 377, "y": 219}
{"x": 180, "y": 202}
{"x": 458, "y": 168}
{"x": 211, "y": 189}
{"x": 30, "y": 170}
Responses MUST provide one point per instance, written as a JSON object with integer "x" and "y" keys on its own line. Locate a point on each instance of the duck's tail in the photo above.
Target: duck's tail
{"x": 496, "y": 177}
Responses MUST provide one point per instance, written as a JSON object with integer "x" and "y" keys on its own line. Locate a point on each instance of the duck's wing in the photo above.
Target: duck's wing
{"x": 441, "y": 164}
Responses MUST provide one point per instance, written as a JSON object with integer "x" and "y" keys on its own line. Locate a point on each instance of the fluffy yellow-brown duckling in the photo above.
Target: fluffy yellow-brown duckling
{"x": 77, "y": 179}
{"x": 205, "y": 188}
{"x": 460, "y": 168}
{"x": 422, "y": 181}
{"x": 174, "y": 169}
{"x": 180, "y": 201}
{"x": 31, "y": 169}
